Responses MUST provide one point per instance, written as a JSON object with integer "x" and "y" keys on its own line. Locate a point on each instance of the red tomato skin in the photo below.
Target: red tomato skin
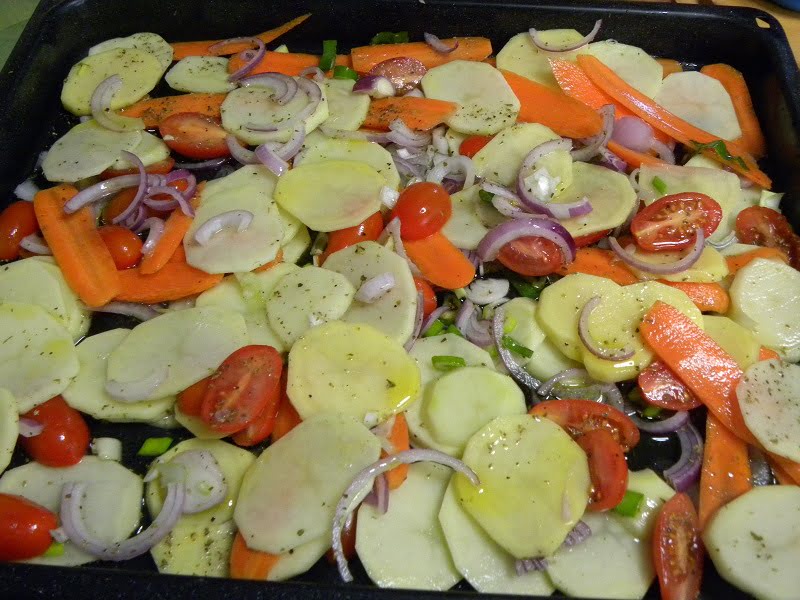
{"x": 531, "y": 256}
{"x": 423, "y": 209}
{"x": 194, "y": 135}
{"x": 670, "y": 222}
{"x": 261, "y": 428}
{"x": 24, "y": 528}
{"x": 366, "y": 231}
{"x": 190, "y": 400}
{"x": 124, "y": 245}
{"x": 241, "y": 388}
{"x": 64, "y": 440}
{"x": 429, "y": 302}
{"x": 661, "y": 387}
{"x": 607, "y": 467}
{"x": 590, "y": 238}
{"x": 474, "y": 144}
{"x": 678, "y": 549}
{"x": 764, "y": 226}
{"x": 578, "y": 417}
{"x": 16, "y": 222}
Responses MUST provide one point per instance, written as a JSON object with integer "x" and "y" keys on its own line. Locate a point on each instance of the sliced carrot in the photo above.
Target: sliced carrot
{"x": 250, "y": 564}
{"x": 491, "y": 61}
{"x": 789, "y": 468}
{"x": 726, "y": 471}
{"x": 670, "y": 66}
{"x": 440, "y": 262}
{"x": 154, "y": 110}
{"x": 752, "y": 138}
{"x": 175, "y": 228}
{"x": 555, "y": 109}
{"x": 183, "y": 49}
{"x": 780, "y": 474}
{"x": 469, "y": 48}
{"x": 421, "y": 114}
{"x": 288, "y": 63}
{"x": 398, "y": 438}
{"x": 276, "y": 261}
{"x": 77, "y": 246}
{"x": 768, "y": 354}
{"x": 286, "y": 420}
{"x": 738, "y": 261}
{"x": 663, "y": 120}
{"x": 708, "y": 297}
{"x": 634, "y": 159}
{"x": 602, "y": 263}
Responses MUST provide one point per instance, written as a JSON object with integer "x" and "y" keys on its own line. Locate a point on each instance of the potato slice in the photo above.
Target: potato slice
{"x": 737, "y": 341}
{"x": 376, "y": 156}
{"x": 634, "y": 66}
{"x": 146, "y": 41}
{"x": 347, "y": 111}
{"x": 521, "y": 56}
{"x": 709, "y": 268}
{"x": 205, "y": 74}
{"x": 150, "y": 150}
{"x": 501, "y": 159}
{"x": 9, "y": 427}
{"x": 464, "y": 227}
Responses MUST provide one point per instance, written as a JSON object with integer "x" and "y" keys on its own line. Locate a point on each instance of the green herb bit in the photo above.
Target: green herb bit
{"x": 436, "y": 328}
{"x": 510, "y": 343}
{"x": 447, "y": 363}
{"x": 651, "y": 412}
{"x": 454, "y": 330}
{"x": 388, "y": 37}
{"x": 155, "y": 446}
{"x": 342, "y": 72}
{"x": 328, "y": 58}
{"x": 485, "y": 196}
{"x": 529, "y": 289}
{"x": 659, "y": 185}
{"x": 630, "y": 505}
{"x": 509, "y": 325}
{"x": 721, "y": 149}
{"x": 55, "y": 549}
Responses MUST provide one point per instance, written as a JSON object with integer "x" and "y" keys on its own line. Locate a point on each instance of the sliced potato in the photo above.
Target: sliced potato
{"x": 146, "y": 41}
{"x": 737, "y": 341}
{"x": 9, "y": 427}
{"x": 298, "y": 560}
{"x": 501, "y": 159}
{"x": 259, "y": 286}
{"x": 296, "y": 247}
{"x": 347, "y": 111}
{"x": 521, "y": 56}
{"x": 150, "y": 151}
{"x": 196, "y": 426}
{"x": 376, "y": 156}
{"x": 635, "y": 66}
{"x": 709, "y": 268}
{"x": 465, "y": 228}
{"x": 207, "y": 74}
{"x": 656, "y": 492}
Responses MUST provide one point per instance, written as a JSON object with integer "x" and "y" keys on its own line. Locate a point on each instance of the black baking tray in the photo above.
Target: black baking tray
{"x": 60, "y": 32}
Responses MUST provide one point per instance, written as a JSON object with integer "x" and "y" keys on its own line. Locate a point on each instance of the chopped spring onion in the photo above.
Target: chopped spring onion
{"x": 485, "y": 196}
{"x": 510, "y": 344}
{"x": 460, "y": 293}
{"x": 107, "y": 448}
{"x": 509, "y": 325}
{"x": 447, "y": 363}
{"x": 55, "y": 549}
{"x": 721, "y": 149}
{"x": 454, "y": 330}
{"x": 659, "y": 185}
{"x": 388, "y": 37}
{"x": 651, "y": 412}
{"x": 630, "y": 505}
{"x": 328, "y": 58}
{"x": 436, "y": 328}
{"x": 155, "y": 446}
{"x": 342, "y": 72}
{"x": 529, "y": 289}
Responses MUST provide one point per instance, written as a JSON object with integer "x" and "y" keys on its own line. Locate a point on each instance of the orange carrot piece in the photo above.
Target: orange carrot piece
{"x": 276, "y": 261}
{"x": 250, "y": 564}
{"x": 663, "y": 120}
{"x": 632, "y": 157}
{"x": 421, "y": 114}
{"x": 79, "y": 250}
{"x": 708, "y": 297}
{"x": 752, "y": 138}
{"x": 183, "y": 49}
{"x": 602, "y": 263}
{"x": 787, "y": 467}
{"x": 555, "y": 109}
{"x": 738, "y": 261}
{"x": 469, "y": 48}
{"x": 154, "y": 110}
{"x": 670, "y": 66}
{"x": 491, "y": 61}
{"x": 398, "y": 438}
{"x": 286, "y": 419}
{"x": 440, "y": 262}
{"x": 780, "y": 474}
{"x": 288, "y": 63}
{"x": 768, "y": 354}
{"x": 726, "y": 471}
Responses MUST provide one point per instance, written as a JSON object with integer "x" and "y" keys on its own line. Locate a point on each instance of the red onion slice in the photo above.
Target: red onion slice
{"x": 74, "y": 526}
{"x": 684, "y": 473}
{"x": 100, "y": 105}
{"x": 29, "y": 428}
{"x": 590, "y": 343}
{"x": 314, "y": 94}
{"x": 668, "y": 425}
{"x": 206, "y": 164}
{"x": 316, "y": 73}
{"x": 155, "y": 229}
{"x": 105, "y": 188}
{"x": 404, "y": 72}
{"x": 290, "y": 149}
{"x": 36, "y": 244}
{"x": 438, "y": 45}
{"x": 379, "y": 496}
{"x": 269, "y": 158}
{"x": 463, "y": 315}
{"x": 419, "y": 316}
{"x": 478, "y": 331}
{"x": 364, "y": 478}
{"x": 517, "y": 371}
{"x": 547, "y": 387}
{"x": 284, "y": 88}
{"x": 136, "y": 391}
{"x": 178, "y": 200}
{"x": 374, "y": 288}
{"x": 611, "y": 161}
{"x": 140, "y": 192}
{"x": 594, "y": 144}
{"x": 375, "y": 86}
{"x": 402, "y": 135}
{"x": 439, "y": 141}
{"x": 26, "y": 190}
{"x": 393, "y": 228}
{"x": 129, "y": 309}
{"x": 669, "y": 269}
{"x": 252, "y": 58}
{"x": 664, "y": 152}
{"x": 487, "y": 291}
{"x": 389, "y": 197}
{"x": 633, "y": 133}
{"x": 524, "y": 566}
{"x": 199, "y": 473}
{"x": 234, "y": 219}
{"x": 239, "y": 152}
{"x": 579, "y": 534}
{"x": 728, "y": 240}
{"x": 541, "y": 45}
{"x": 532, "y": 226}
{"x": 431, "y": 318}
{"x": 451, "y": 165}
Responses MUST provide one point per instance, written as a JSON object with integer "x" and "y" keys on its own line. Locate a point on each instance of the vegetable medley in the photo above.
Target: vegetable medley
{"x": 412, "y": 303}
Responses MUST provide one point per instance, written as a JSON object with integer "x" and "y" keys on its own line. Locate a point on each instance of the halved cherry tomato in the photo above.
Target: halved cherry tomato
{"x": 607, "y": 468}
{"x": 124, "y": 245}
{"x": 241, "y": 388}
{"x": 670, "y": 222}
{"x": 661, "y": 387}
{"x": 531, "y": 256}
{"x": 473, "y": 144}
{"x": 194, "y": 135}
{"x": 404, "y": 72}
{"x": 578, "y": 417}
{"x": 65, "y": 438}
{"x": 16, "y": 222}
{"x": 428, "y": 295}
{"x": 678, "y": 550}
{"x": 287, "y": 418}
{"x": 190, "y": 400}
{"x": 118, "y": 203}
{"x": 367, "y": 230}
{"x": 261, "y": 428}
{"x": 590, "y": 238}
{"x": 24, "y": 528}
{"x": 423, "y": 209}
{"x": 160, "y": 168}
{"x": 763, "y": 226}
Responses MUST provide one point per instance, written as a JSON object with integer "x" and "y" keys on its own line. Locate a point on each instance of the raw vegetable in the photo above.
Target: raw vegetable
{"x": 418, "y": 113}
{"x": 9, "y": 428}
{"x": 175, "y": 228}
{"x": 635, "y": 160}
{"x": 707, "y": 297}
{"x": 252, "y": 564}
{"x": 501, "y": 158}
{"x": 736, "y": 340}
{"x": 154, "y": 446}
{"x": 600, "y": 263}
{"x": 677, "y": 549}
{"x": 464, "y": 228}
{"x": 469, "y": 49}
{"x": 422, "y": 209}
{"x": 767, "y": 227}
{"x": 347, "y": 111}
{"x": 145, "y": 41}
{"x": 440, "y": 262}
{"x": 194, "y": 135}
{"x": 203, "y": 74}
{"x": 633, "y": 65}
{"x": 286, "y": 63}
{"x": 737, "y": 261}
{"x": 17, "y": 221}
{"x": 154, "y": 110}
{"x": 710, "y": 267}
{"x": 374, "y": 155}
{"x": 522, "y": 57}
{"x": 655, "y": 492}
{"x": 24, "y": 528}
{"x": 671, "y": 222}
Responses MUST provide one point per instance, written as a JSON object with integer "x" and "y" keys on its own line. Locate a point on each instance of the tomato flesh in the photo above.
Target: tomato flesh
{"x": 678, "y": 550}
{"x": 124, "y": 245}
{"x": 24, "y": 528}
{"x": 17, "y": 221}
{"x": 423, "y": 209}
{"x": 194, "y": 135}
{"x": 366, "y": 231}
{"x": 65, "y": 438}
{"x": 261, "y": 427}
{"x": 429, "y": 302}
{"x": 243, "y": 386}
{"x": 578, "y": 417}
{"x": 474, "y": 144}
{"x": 661, "y": 387}
{"x": 590, "y": 238}
{"x": 190, "y": 400}
{"x": 763, "y": 226}
{"x": 531, "y": 256}
{"x": 607, "y": 468}
{"x": 670, "y": 222}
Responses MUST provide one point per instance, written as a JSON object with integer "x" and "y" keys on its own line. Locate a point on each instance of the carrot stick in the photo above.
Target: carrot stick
{"x": 663, "y": 120}
{"x": 154, "y": 110}
{"x": 670, "y": 66}
{"x": 752, "y": 138}
{"x": 276, "y": 261}
{"x": 708, "y": 297}
{"x": 250, "y": 564}
{"x": 768, "y": 354}
{"x": 561, "y": 113}
{"x": 183, "y": 49}
{"x": 77, "y": 247}
{"x": 602, "y": 263}
{"x": 288, "y": 63}
{"x": 440, "y": 262}
{"x": 738, "y": 261}
{"x": 780, "y": 474}
{"x": 469, "y": 48}
{"x": 788, "y": 467}
{"x": 726, "y": 470}
{"x": 286, "y": 420}
{"x": 398, "y": 438}
{"x": 421, "y": 114}
{"x": 632, "y": 157}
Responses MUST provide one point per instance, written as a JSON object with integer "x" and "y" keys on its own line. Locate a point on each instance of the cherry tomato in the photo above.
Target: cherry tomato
{"x": 194, "y": 135}
{"x": 368, "y": 230}
{"x": 661, "y": 387}
{"x": 763, "y": 226}
{"x": 423, "y": 209}
{"x": 531, "y": 256}
{"x": 124, "y": 245}
{"x": 160, "y": 168}
{"x": 241, "y": 388}
{"x": 24, "y": 528}
{"x": 190, "y": 400}
{"x": 607, "y": 468}
{"x": 404, "y": 72}
{"x": 286, "y": 419}
{"x": 590, "y": 238}
{"x": 261, "y": 428}
{"x": 473, "y": 144}
{"x": 670, "y": 222}
{"x": 578, "y": 417}
{"x": 65, "y": 438}
{"x": 428, "y": 296}
{"x": 16, "y": 222}
{"x": 677, "y": 549}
